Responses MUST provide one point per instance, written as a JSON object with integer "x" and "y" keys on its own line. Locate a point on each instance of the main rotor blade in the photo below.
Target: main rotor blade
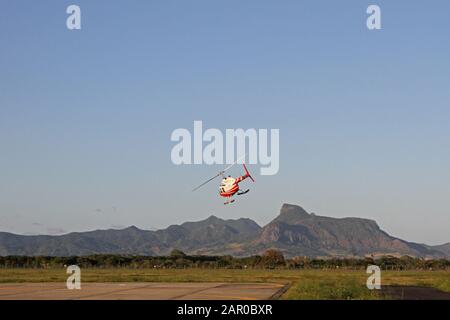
{"x": 209, "y": 180}
{"x": 220, "y": 173}
{"x": 231, "y": 165}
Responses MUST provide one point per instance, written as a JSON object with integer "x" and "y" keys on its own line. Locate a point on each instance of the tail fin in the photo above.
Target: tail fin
{"x": 248, "y": 173}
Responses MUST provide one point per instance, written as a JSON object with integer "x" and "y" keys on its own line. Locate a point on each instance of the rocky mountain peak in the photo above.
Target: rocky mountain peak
{"x": 213, "y": 218}
{"x": 294, "y": 231}
{"x": 290, "y": 213}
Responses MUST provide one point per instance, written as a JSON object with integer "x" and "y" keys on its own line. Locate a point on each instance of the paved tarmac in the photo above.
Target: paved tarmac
{"x": 414, "y": 293}
{"x": 141, "y": 291}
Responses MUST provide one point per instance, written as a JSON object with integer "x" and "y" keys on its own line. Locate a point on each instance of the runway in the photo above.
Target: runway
{"x": 141, "y": 291}
{"x": 414, "y": 293}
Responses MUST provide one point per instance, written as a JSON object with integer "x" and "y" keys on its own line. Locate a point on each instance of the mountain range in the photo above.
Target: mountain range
{"x": 294, "y": 231}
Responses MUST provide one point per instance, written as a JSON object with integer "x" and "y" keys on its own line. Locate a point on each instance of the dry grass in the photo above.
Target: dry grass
{"x": 305, "y": 284}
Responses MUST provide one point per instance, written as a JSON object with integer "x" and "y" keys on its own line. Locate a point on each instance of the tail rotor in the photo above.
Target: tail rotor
{"x": 248, "y": 173}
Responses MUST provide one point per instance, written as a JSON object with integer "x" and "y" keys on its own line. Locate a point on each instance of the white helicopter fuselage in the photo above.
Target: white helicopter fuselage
{"x": 229, "y": 186}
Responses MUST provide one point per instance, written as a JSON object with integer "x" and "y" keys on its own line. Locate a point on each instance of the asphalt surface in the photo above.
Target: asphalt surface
{"x": 414, "y": 293}
{"x": 141, "y": 291}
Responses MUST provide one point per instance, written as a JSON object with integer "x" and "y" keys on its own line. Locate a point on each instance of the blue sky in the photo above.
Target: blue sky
{"x": 86, "y": 116}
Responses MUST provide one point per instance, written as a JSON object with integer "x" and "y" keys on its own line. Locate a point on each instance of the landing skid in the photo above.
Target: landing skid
{"x": 240, "y": 192}
{"x": 229, "y": 201}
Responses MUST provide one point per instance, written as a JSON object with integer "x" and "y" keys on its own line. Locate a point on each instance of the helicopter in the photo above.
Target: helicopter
{"x": 229, "y": 186}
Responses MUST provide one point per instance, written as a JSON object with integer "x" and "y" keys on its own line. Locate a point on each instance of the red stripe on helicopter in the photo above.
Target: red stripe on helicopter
{"x": 230, "y": 192}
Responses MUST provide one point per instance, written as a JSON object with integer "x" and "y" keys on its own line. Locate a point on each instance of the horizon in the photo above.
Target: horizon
{"x": 120, "y": 228}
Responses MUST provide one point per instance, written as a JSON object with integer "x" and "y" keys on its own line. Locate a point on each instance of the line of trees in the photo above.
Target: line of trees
{"x": 271, "y": 259}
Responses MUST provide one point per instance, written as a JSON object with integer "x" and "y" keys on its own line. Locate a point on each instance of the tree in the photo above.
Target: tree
{"x": 177, "y": 253}
{"x": 273, "y": 258}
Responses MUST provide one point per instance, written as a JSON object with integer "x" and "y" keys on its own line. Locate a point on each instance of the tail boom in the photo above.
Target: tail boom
{"x": 247, "y": 174}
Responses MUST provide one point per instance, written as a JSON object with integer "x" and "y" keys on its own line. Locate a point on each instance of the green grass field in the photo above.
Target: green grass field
{"x": 305, "y": 284}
